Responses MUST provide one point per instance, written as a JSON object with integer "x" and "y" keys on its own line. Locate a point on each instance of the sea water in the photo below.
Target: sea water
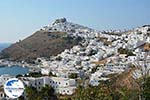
{"x": 14, "y": 70}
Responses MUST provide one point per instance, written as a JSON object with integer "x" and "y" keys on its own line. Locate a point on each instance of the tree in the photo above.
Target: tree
{"x": 59, "y": 58}
{"x": 19, "y": 75}
{"x": 94, "y": 69}
{"x": 47, "y": 92}
{"x": 92, "y": 93}
{"x": 34, "y": 74}
{"x": 126, "y": 51}
{"x": 51, "y": 74}
{"x": 73, "y": 75}
{"x": 146, "y": 89}
{"x": 21, "y": 98}
{"x": 31, "y": 93}
{"x": 126, "y": 94}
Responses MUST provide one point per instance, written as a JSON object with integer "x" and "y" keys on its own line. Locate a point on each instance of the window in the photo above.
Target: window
{"x": 39, "y": 83}
{"x": 66, "y": 83}
{"x": 50, "y": 81}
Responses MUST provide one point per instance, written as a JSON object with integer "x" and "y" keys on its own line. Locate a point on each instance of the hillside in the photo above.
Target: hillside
{"x": 55, "y": 38}
{"x": 41, "y": 44}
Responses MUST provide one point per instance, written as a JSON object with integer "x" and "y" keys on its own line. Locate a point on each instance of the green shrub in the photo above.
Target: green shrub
{"x": 73, "y": 75}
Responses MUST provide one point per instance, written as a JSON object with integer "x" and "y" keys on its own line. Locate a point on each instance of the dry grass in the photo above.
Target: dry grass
{"x": 40, "y": 44}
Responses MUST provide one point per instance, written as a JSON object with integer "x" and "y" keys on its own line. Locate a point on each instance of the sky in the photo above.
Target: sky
{"x": 21, "y": 18}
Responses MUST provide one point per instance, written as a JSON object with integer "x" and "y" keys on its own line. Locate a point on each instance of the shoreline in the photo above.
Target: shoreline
{"x": 14, "y": 70}
{"x": 7, "y": 63}
{"x": 31, "y": 67}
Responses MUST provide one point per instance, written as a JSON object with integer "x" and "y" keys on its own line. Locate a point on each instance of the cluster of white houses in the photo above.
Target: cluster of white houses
{"x": 97, "y": 48}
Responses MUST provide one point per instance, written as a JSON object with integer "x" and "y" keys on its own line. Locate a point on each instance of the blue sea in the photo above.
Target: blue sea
{"x": 4, "y": 45}
{"x": 14, "y": 70}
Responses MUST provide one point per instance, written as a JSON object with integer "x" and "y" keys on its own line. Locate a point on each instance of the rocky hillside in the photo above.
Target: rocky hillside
{"x": 55, "y": 38}
{"x": 43, "y": 43}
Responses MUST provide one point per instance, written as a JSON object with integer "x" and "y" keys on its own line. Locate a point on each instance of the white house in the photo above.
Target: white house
{"x": 63, "y": 86}
{"x": 131, "y": 59}
{"x": 45, "y": 71}
{"x": 141, "y": 55}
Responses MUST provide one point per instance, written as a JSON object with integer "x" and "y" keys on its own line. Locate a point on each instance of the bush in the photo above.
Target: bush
{"x": 125, "y": 51}
{"x": 18, "y": 76}
{"x": 46, "y": 93}
{"x": 73, "y": 75}
{"x": 59, "y": 58}
{"x": 104, "y": 92}
{"x": 34, "y": 74}
{"x": 146, "y": 89}
{"x": 94, "y": 69}
{"x": 51, "y": 74}
{"x": 92, "y": 93}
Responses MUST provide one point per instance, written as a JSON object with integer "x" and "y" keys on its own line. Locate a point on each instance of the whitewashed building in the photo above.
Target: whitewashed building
{"x": 132, "y": 59}
{"x": 62, "y": 86}
{"x": 45, "y": 71}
